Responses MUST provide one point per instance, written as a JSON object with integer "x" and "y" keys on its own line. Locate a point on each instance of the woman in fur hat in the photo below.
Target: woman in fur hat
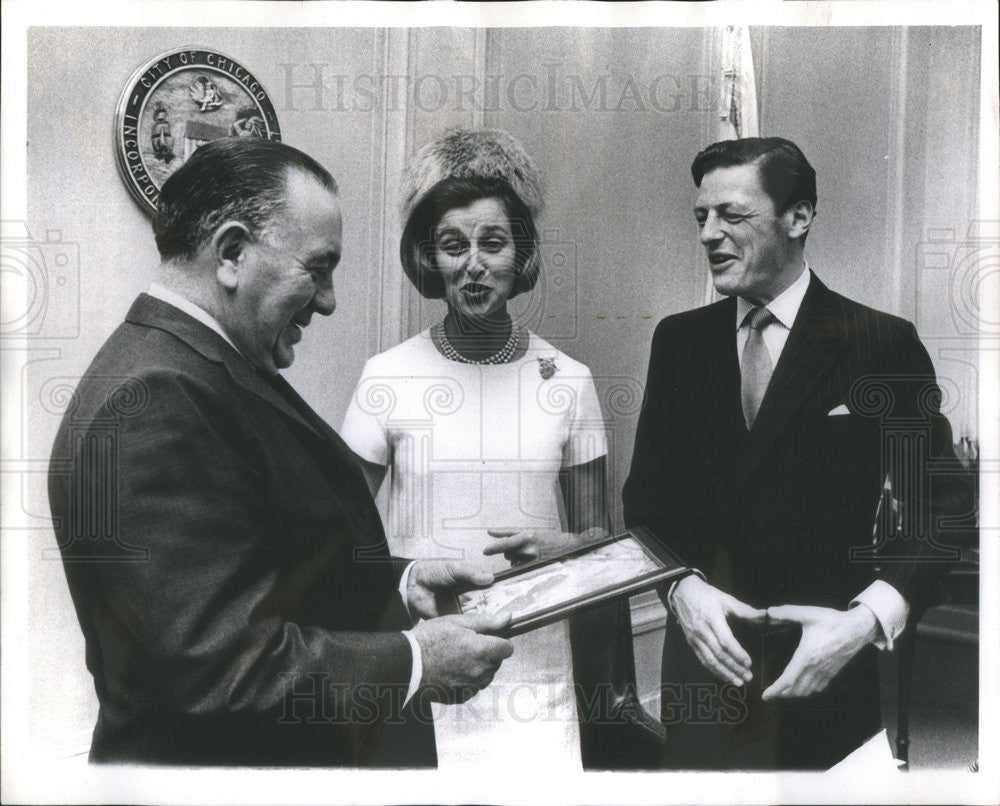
{"x": 487, "y": 429}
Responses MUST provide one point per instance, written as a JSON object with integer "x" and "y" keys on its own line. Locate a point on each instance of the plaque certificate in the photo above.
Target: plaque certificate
{"x": 544, "y": 591}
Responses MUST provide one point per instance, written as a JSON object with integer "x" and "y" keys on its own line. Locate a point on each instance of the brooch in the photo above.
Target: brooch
{"x": 547, "y": 367}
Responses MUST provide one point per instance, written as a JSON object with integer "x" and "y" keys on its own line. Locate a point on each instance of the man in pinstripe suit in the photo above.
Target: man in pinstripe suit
{"x": 771, "y": 421}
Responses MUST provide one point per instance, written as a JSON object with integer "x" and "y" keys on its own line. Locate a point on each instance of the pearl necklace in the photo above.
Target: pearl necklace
{"x": 502, "y": 356}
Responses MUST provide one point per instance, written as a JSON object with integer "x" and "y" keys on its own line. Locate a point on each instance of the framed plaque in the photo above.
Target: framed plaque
{"x": 544, "y": 591}
{"x": 177, "y": 101}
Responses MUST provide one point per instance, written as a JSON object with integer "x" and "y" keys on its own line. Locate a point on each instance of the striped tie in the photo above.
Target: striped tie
{"x": 755, "y": 366}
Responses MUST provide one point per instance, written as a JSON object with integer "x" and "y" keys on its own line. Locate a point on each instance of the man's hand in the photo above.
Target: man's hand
{"x": 702, "y": 611}
{"x": 459, "y": 654}
{"x": 429, "y": 578}
{"x": 830, "y": 638}
{"x": 538, "y": 544}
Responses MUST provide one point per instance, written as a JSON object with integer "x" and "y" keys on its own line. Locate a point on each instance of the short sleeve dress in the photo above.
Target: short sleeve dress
{"x": 470, "y": 448}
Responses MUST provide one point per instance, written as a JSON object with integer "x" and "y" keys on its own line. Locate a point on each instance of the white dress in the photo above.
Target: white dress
{"x": 470, "y": 448}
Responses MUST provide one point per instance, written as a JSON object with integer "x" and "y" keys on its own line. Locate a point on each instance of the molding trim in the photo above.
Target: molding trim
{"x": 390, "y": 137}
{"x": 896, "y": 169}
{"x": 482, "y": 64}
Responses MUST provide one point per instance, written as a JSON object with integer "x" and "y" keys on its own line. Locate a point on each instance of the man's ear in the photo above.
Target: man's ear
{"x": 798, "y": 219}
{"x": 228, "y": 247}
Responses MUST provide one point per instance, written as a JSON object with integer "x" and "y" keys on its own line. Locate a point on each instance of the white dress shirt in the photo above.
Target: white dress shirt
{"x": 164, "y": 294}
{"x": 888, "y": 605}
{"x": 784, "y": 307}
{"x": 196, "y": 312}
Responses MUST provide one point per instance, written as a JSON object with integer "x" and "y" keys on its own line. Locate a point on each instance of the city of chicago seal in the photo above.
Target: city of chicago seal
{"x": 176, "y": 102}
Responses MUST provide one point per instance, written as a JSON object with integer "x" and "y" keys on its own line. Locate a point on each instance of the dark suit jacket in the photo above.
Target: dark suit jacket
{"x": 785, "y": 513}
{"x": 227, "y": 563}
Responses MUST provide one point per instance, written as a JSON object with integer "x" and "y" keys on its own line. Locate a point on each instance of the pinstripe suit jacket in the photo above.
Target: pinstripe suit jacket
{"x": 785, "y": 513}
{"x": 227, "y": 563}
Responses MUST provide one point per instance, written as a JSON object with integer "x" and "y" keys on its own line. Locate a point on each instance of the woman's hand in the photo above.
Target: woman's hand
{"x": 539, "y": 544}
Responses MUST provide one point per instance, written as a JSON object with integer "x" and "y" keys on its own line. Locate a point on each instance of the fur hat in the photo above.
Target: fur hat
{"x": 467, "y": 154}
{"x": 475, "y": 154}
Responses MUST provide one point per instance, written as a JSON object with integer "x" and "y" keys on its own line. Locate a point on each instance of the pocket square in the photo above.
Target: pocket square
{"x": 839, "y": 410}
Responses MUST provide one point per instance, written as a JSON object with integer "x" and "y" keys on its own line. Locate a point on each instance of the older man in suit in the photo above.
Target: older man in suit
{"x": 224, "y": 555}
{"x": 771, "y": 421}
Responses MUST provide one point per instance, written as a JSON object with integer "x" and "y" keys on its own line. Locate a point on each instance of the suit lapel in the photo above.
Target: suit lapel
{"x": 818, "y": 338}
{"x": 271, "y": 392}
{"x": 151, "y": 312}
{"x": 345, "y": 455}
{"x": 348, "y": 481}
{"x": 718, "y": 373}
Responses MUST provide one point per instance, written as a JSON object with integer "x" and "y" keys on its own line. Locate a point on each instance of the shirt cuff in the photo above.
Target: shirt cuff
{"x": 403, "y": 581}
{"x": 418, "y": 666}
{"x": 417, "y": 672}
{"x": 890, "y": 608}
{"x": 673, "y": 587}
